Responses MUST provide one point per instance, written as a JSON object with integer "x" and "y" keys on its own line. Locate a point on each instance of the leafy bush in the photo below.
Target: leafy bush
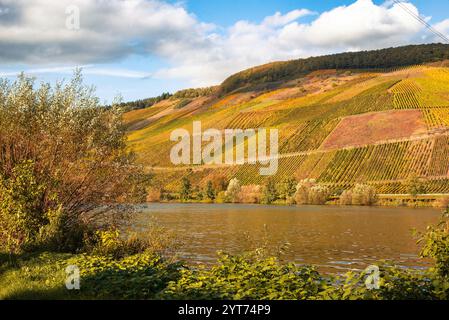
{"x": 309, "y": 192}
{"x": 186, "y": 189}
{"x": 23, "y": 223}
{"x": 233, "y": 191}
{"x": 436, "y": 246}
{"x": 415, "y": 185}
{"x": 287, "y": 189}
{"x": 141, "y": 276}
{"x": 246, "y": 277}
{"x": 270, "y": 193}
{"x": 181, "y": 104}
{"x": 63, "y": 162}
{"x": 250, "y": 194}
{"x": 360, "y": 195}
{"x": 364, "y": 195}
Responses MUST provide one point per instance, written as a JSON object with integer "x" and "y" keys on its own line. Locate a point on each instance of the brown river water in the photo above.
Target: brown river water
{"x": 333, "y": 238}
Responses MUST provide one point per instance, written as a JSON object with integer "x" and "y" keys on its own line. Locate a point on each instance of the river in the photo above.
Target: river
{"x": 333, "y": 238}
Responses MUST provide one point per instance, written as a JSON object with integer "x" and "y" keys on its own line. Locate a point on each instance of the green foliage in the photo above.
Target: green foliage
{"x": 287, "y": 188}
{"x": 141, "y": 276}
{"x": 270, "y": 193}
{"x": 436, "y": 246}
{"x": 186, "y": 189}
{"x": 144, "y": 103}
{"x": 416, "y": 185}
{"x": 210, "y": 192}
{"x": 63, "y": 163}
{"x": 194, "y": 93}
{"x": 23, "y": 223}
{"x": 246, "y": 277}
{"x": 233, "y": 191}
{"x": 181, "y": 104}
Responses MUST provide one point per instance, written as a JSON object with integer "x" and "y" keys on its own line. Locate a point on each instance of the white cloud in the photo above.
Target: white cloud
{"x": 443, "y": 27}
{"x": 33, "y": 32}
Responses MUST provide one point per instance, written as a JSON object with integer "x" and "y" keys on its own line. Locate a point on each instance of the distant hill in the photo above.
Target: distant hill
{"x": 377, "y": 59}
{"x": 377, "y": 117}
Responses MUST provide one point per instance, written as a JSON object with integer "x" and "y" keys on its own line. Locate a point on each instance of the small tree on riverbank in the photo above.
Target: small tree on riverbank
{"x": 360, "y": 195}
{"x": 233, "y": 191}
{"x": 64, "y": 164}
{"x": 310, "y": 192}
{"x": 186, "y": 189}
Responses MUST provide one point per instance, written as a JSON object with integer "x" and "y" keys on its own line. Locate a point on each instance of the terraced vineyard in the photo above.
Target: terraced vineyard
{"x": 322, "y": 119}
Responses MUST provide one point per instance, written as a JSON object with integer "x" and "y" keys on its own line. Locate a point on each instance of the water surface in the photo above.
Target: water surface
{"x": 331, "y": 237}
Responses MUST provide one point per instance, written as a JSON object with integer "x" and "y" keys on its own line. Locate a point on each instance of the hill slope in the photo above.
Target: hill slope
{"x": 340, "y": 127}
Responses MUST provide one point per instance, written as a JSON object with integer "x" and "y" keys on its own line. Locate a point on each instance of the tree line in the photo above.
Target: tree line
{"x": 375, "y": 59}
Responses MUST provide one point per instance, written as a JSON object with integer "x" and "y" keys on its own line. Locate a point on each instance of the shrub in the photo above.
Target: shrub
{"x": 318, "y": 195}
{"x": 346, "y": 198}
{"x": 23, "y": 223}
{"x": 154, "y": 195}
{"x": 141, "y": 276}
{"x": 309, "y": 192}
{"x": 364, "y": 195}
{"x": 186, "y": 189}
{"x": 416, "y": 185}
{"x": 270, "y": 194}
{"x": 81, "y": 168}
{"x": 233, "y": 191}
{"x": 436, "y": 246}
{"x": 246, "y": 277}
{"x": 210, "y": 192}
{"x": 287, "y": 189}
{"x": 219, "y": 182}
{"x": 443, "y": 203}
{"x": 250, "y": 194}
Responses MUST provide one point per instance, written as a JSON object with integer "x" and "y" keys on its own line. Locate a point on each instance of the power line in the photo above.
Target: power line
{"x": 421, "y": 20}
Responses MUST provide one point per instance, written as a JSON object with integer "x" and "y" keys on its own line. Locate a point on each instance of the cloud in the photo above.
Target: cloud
{"x": 359, "y": 26}
{"x": 443, "y": 27}
{"x": 34, "y": 32}
{"x": 87, "y": 70}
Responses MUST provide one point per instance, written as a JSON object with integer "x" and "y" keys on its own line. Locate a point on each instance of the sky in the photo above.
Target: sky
{"x": 141, "y": 48}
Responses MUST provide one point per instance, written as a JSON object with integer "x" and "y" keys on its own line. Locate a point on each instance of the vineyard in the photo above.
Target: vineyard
{"x": 340, "y": 128}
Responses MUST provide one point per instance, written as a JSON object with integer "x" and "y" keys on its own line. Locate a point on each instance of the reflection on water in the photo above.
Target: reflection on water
{"x": 334, "y": 238}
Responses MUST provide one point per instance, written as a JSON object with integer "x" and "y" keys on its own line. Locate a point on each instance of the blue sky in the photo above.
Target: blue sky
{"x": 141, "y": 48}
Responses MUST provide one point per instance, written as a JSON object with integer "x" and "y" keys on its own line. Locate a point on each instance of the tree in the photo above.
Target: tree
{"x": 72, "y": 154}
{"x": 233, "y": 191}
{"x": 210, "y": 192}
{"x": 287, "y": 188}
{"x": 363, "y": 195}
{"x": 270, "y": 192}
{"x": 416, "y": 185}
{"x": 186, "y": 189}
{"x": 302, "y": 191}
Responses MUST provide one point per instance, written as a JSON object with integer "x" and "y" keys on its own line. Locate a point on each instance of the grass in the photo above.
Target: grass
{"x": 34, "y": 277}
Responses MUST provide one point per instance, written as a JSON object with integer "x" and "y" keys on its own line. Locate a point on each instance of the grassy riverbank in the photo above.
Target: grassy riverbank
{"x": 42, "y": 276}
{"x": 119, "y": 274}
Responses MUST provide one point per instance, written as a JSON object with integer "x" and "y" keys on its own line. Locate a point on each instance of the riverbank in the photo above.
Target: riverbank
{"x": 246, "y": 277}
{"x": 254, "y": 275}
{"x": 439, "y": 201}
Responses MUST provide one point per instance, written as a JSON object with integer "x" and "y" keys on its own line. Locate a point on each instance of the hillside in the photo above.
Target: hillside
{"x": 338, "y": 126}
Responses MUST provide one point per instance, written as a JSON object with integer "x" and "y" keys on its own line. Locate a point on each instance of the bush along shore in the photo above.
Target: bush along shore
{"x": 125, "y": 268}
{"x": 296, "y": 192}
